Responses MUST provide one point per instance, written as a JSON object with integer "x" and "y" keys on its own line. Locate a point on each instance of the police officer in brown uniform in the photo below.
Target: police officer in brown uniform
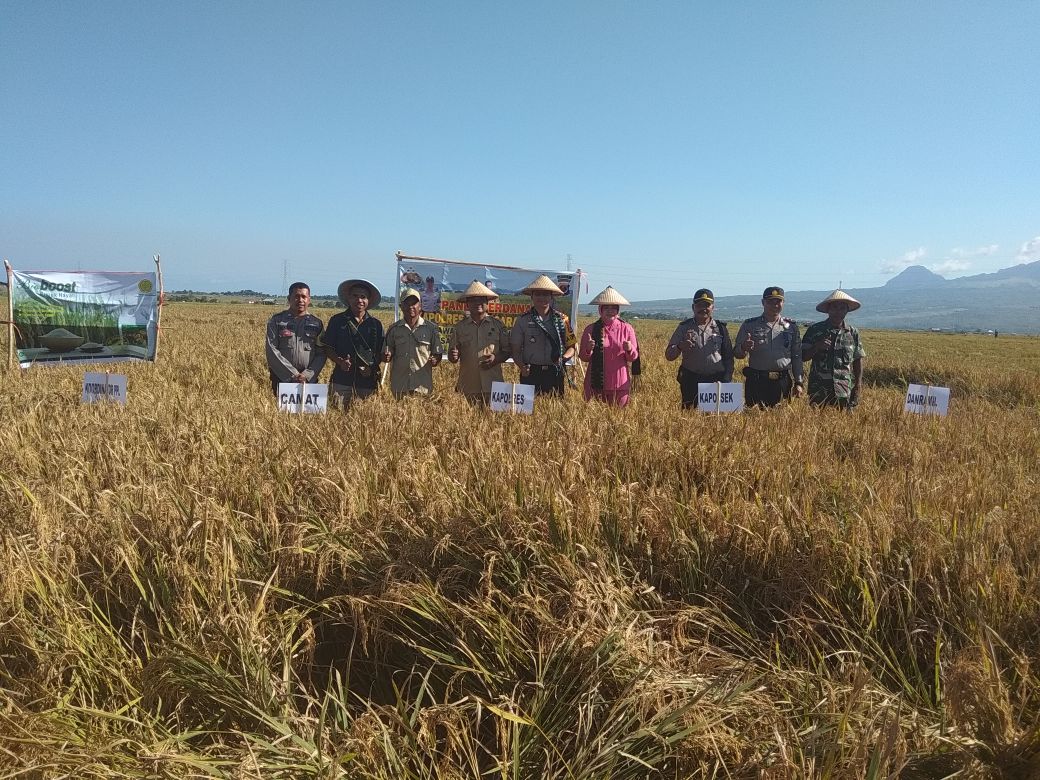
{"x": 774, "y": 349}
{"x": 705, "y": 347}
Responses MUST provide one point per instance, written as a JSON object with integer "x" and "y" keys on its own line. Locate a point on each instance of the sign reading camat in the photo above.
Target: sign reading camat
{"x": 507, "y": 397}
{"x": 925, "y": 399}
{"x": 302, "y": 399}
{"x": 104, "y": 387}
{"x": 720, "y": 397}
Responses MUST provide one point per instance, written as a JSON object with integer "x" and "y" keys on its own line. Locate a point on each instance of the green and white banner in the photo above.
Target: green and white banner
{"x": 84, "y": 316}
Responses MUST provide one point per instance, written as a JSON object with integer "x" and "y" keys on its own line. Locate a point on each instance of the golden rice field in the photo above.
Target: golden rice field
{"x": 196, "y": 586}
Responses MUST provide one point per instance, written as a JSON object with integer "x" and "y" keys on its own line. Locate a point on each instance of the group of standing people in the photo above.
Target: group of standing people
{"x": 775, "y": 350}
{"x": 541, "y": 342}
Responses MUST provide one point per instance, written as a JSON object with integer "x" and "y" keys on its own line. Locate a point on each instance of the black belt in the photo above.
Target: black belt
{"x": 773, "y": 376}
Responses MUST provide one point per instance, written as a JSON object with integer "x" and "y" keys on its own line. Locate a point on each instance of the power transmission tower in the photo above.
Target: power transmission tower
{"x": 569, "y": 261}
{"x": 285, "y": 275}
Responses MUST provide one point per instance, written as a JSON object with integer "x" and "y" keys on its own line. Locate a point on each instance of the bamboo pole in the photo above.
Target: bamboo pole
{"x": 159, "y": 302}
{"x": 10, "y": 314}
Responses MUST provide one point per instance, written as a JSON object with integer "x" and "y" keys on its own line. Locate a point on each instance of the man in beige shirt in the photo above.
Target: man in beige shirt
{"x": 412, "y": 347}
{"x": 479, "y": 344}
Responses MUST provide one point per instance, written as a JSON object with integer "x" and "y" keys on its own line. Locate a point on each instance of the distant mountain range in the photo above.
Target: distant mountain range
{"x": 917, "y": 299}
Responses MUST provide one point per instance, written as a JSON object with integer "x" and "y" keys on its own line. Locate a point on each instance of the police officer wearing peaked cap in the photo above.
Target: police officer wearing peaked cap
{"x": 774, "y": 350}
{"x": 291, "y": 345}
{"x": 705, "y": 347}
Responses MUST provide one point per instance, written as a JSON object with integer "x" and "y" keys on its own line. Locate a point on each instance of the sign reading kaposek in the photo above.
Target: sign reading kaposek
{"x": 720, "y": 397}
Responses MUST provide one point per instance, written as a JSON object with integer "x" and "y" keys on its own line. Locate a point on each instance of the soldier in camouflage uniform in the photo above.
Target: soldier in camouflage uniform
{"x": 836, "y": 353}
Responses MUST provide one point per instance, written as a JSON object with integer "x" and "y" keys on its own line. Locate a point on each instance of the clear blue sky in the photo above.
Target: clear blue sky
{"x": 663, "y": 145}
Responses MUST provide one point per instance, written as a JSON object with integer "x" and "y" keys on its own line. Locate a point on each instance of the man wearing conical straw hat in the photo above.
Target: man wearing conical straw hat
{"x": 834, "y": 348}
{"x": 542, "y": 340}
{"x": 608, "y": 345}
{"x": 412, "y": 347}
{"x": 479, "y": 343}
{"x": 353, "y": 342}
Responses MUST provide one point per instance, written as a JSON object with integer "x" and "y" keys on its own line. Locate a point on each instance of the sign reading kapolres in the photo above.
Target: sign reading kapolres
{"x": 83, "y": 316}
{"x": 440, "y": 282}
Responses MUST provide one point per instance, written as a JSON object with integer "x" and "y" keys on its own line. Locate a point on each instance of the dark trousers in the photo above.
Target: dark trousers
{"x": 688, "y": 381}
{"x": 547, "y": 380}
{"x": 760, "y": 390}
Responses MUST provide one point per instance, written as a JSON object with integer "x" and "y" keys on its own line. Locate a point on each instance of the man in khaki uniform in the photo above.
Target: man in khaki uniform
{"x": 775, "y": 353}
{"x": 542, "y": 340}
{"x": 412, "y": 347}
{"x": 479, "y": 344}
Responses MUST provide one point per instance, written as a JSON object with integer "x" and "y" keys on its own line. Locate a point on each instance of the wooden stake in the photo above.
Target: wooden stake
{"x": 10, "y": 314}
{"x": 159, "y": 301}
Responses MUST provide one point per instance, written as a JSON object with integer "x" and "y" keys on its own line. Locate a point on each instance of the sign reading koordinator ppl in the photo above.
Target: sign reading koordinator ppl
{"x": 926, "y": 399}
{"x": 104, "y": 387}
{"x": 720, "y": 397}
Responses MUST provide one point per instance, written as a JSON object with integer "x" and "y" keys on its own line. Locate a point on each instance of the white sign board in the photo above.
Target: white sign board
{"x": 104, "y": 387}
{"x": 720, "y": 396}
{"x": 302, "y": 399}
{"x": 507, "y": 397}
{"x": 926, "y": 399}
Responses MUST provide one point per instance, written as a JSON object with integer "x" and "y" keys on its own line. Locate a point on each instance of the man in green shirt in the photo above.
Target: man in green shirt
{"x": 834, "y": 348}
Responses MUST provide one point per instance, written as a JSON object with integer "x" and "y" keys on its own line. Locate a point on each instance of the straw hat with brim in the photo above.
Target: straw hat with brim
{"x": 837, "y": 295}
{"x": 609, "y": 297}
{"x": 542, "y": 284}
{"x": 477, "y": 290}
{"x": 373, "y": 294}
{"x": 409, "y": 292}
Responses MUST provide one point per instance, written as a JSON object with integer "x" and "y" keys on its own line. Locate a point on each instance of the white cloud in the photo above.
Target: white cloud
{"x": 1030, "y": 251}
{"x": 949, "y": 265}
{"x": 913, "y": 257}
{"x": 982, "y": 251}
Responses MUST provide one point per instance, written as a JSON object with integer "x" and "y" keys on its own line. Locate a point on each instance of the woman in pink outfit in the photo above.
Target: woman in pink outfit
{"x": 608, "y": 346}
